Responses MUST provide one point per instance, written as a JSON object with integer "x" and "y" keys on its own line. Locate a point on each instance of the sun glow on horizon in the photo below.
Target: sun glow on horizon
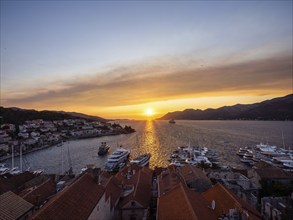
{"x": 149, "y": 112}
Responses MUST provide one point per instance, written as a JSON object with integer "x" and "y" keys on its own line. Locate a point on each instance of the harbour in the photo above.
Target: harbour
{"x": 160, "y": 138}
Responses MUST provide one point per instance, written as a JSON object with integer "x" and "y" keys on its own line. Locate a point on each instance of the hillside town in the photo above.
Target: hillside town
{"x": 39, "y": 134}
{"x": 135, "y": 192}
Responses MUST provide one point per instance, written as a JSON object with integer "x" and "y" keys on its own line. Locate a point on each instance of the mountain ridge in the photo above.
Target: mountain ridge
{"x": 17, "y": 115}
{"x": 280, "y": 108}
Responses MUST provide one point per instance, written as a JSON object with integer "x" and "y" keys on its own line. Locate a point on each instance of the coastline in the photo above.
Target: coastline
{"x": 7, "y": 157}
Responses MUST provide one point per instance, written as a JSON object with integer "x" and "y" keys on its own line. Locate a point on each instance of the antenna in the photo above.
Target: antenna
{"x": 213, "y": 205}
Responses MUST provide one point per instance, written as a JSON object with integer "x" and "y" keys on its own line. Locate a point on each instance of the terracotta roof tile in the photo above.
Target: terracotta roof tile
{"x": 75, "y": 202}
{"x": 167, "y": 180}
{"x": 195, "y": 175}
{"x": 14, "y": 182}
{"x": 12, "y": 206}
{"x": 113, "y": 190}
{"x": 226, "y": 200}
{"x": 184, "y": 204}
{"x": 142, "y": 190}
{"x": 41, "y": 193}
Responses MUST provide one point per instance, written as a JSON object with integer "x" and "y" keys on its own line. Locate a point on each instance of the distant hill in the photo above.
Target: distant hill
{"x": 18, "y": 115}
{"x": 275, "y": 109}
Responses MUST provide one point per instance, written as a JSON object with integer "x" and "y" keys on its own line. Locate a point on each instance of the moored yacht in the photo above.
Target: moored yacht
{"x": 103, "y": 149}
{"x": 193, "y": 155}
{"x": 266, "y": 148}
{"x": 118, "y": 157}
{"x": 172, "y": 121}
{"x": 142, "y": 160}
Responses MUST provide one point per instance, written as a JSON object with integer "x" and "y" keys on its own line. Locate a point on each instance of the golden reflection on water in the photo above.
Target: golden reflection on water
{"x": 151, "y": 145}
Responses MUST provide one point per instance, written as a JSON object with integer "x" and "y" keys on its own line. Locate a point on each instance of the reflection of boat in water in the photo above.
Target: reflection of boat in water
{"x": 172, "y": 121}
{"x": 103, "y": 149}
{"x": 142, "y": 160}
{"x": 115, "y": 160}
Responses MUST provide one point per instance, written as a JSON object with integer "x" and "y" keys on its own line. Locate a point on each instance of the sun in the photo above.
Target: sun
{"x": 149, "y": 112}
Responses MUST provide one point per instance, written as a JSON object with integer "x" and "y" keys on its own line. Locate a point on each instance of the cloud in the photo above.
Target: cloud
{"x": 165, "y": 79}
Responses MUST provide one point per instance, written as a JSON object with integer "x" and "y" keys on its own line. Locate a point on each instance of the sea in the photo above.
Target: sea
{"x": 161, "y": 138}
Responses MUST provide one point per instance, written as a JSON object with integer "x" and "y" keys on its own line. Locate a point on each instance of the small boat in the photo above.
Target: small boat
{"x": 247, "y": 161}
{"x": 177, "y": 163}
{"x": 288, "y": 164}
{"x": 60, "y": 144}
{"x": 118, "y": 157}
{"x": 103, "y": 149}
{"x": 172, "y": 121}
{"x": 142, "y": 160}
{"x": 242, "y": 151}
{"x": 3, "y": 169}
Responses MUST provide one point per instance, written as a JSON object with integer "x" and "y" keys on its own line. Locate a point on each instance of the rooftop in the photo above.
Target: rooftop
{"x": 142, "y": 189}
{"x": 184, "y": 204}
{"x": 226, "y": 200}
{"x": 167, "y": 180}
{"x": 38, "y": 195}
{"x": 273, "y": 173}
{"x": 192, "y": 174}
{"x": 12, "y": 206}
{"x": 75, "y": 202}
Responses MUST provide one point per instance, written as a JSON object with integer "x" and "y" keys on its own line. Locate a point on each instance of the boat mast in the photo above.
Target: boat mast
{"x": 20, "y": 158}
{"x": 62, "y": 159}
{"x": 283, "y": 139}
{"x": 12, "y": 162}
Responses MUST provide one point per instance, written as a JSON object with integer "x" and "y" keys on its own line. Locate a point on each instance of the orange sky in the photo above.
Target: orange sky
{"x": 117, "y": 59}
{"x": 127, "y": 91}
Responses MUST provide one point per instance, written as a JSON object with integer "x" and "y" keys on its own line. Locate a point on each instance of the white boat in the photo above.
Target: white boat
{"x": 242, "y": 151}
{"x": 199, "y": 160}
{"x": 103, "y": 149}
{"x": 15, "y": 171}
{"x": 193, "y": 155}
{"x": 172, "y": 121}
{"x": 3, "y": 169}
{"x": 142, "y": 160}
{"x": 177, "y": 163}
{"x": 119, "y": 156}
{"x": 288, "y": 164}
{"x": 266, "y": 148}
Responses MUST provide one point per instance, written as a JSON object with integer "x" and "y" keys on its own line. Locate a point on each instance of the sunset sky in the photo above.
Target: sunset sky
{"x": 118, "y": 59}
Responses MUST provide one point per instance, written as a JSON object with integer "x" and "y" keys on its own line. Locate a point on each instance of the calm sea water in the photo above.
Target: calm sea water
{"x": 160, "y": 138}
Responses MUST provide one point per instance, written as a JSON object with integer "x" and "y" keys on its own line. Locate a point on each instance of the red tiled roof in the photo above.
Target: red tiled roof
{"x": 41, "y": 193}
{"x": 113, "y": 190}
{"x": 14, "y": 182}
{"x": 12, "y": 206}
{"x": 191, "y": 173}
{"x": 142, "y": 190}
{"x": 184, "y": 204}
{"x": 167, "y": 180}
{"x": 75, "y": 202}
{"x": 226, "y": 200}
{"x": 132, "y": 170}
{"x": 104, "y": 177}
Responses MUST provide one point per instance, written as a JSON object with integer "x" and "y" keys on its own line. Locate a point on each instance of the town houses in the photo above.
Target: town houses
{"x": 136, "y": 192}
{"x": 38, "y": 134}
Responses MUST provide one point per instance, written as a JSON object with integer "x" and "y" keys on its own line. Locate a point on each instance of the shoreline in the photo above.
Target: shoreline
{"x": 57, "y": 143}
